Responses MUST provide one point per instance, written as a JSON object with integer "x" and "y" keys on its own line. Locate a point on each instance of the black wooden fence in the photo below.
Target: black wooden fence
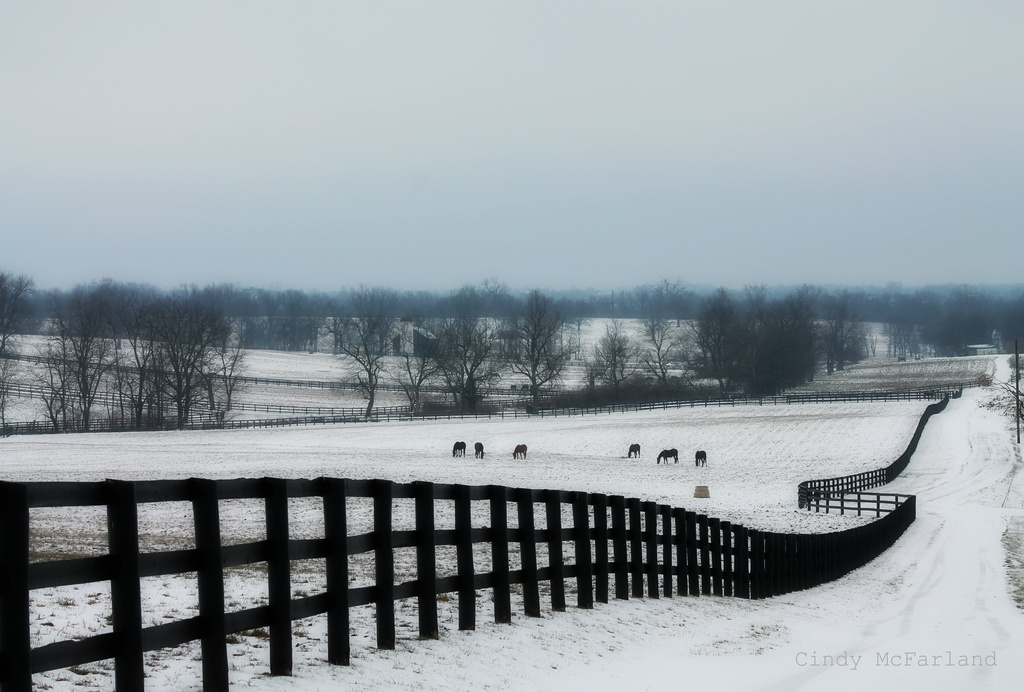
{"x": 613, "y": 546}
{"x": 205, "y": 419}
{"x": 828, "y": 493}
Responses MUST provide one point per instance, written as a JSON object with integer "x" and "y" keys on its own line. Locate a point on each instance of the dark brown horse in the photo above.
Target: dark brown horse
{"x": 668, "y": 454}
{"x": 701, "y": 458}
{"x": 459, "y": 450}
{"x": 634, "y": 451}
{"x": 479, "y": 449}
{"x": 519, "y": 452}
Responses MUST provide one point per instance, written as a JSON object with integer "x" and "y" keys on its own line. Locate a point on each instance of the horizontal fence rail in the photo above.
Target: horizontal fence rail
{"x": 621, "y": 547}
{"x": 860, "y": 504}
{"x": 209, "y": 420}
{"x": 822, "y": 493}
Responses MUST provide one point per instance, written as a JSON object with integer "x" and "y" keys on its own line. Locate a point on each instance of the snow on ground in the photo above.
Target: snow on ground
{"x": 904, "y": 620}
{"x": 756, "y": 454}
{"x": 893, "y": 374}
{"x": 933, "y": 613}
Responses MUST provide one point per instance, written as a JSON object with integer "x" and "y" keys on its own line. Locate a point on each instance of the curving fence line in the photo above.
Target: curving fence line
{"x": 845, "y": 492}
{"x": 600, "y": 546}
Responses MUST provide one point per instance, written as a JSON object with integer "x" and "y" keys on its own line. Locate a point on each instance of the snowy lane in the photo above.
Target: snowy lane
{"x": 943, "y": 616}
{"x": 967, "y": 460}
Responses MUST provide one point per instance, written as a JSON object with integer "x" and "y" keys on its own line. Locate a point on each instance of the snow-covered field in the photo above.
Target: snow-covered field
{"x": 874, "y": 373}
{"x": 944, "y": 592}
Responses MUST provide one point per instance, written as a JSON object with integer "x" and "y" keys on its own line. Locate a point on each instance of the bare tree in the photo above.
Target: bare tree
{"x": 55, "y": 381}
{"x": 661, "y": 349}
{"x": 676, "y": 299}
{"x": 292, "y": 323}
{"x": 229, "y": 363}
{"x": 419, "y": 361}
{"x": 842, "y": 336}
{"x": 187, "y": 331}
{"x": 81, "y": 321}
{"x": 617, "y": 354}
{"x": 903, "y": 324}
{"x": 715, "y": 323}
{"x": 14, "y": 294}
{"x": 778, "y": 341}
{"x": 467, "y": 348}
{"x": 593, "y": 371}
{"x": 317, "y": 310}
{"x": 134, "y": 366}
{"x": 7, "y": 367}
{"x": 367, "y": 336}
{"x": 498, "y": 303}
{"x": 536, "y": 349}
{"x": 468, "y": 353}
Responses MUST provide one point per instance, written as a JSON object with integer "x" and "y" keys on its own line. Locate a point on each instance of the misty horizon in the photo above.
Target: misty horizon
{"x": 553, "y": 145}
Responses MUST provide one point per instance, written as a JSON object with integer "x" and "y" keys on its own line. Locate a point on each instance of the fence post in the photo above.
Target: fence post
{"x": 584, "y": 556}
{"x": 206, "y": 515}
{"x": 619, "y": 547}
{"x": 384, "y": 559}
{"x": 15, "y": 638}
{"x": 279, "y": 578}
{"x": 600, "y": 547}
{"x": 773, "y": 563}
{"x": 464, "y": 558}
{"x": 742, "y": 563}
{"x": 499, "y": 554}
{"x": 704, "y": 543}
{"x": 787, "y": 552}
{"x": 339, "y": 645}
{"x": 727, "y": 559}
{"x": 715, "y": 554}
{"x": 635, "y": 547}
{"x": 125, "y": 585}
{"x": 757, "y": 590}
{"x": 666, "y": 562}
{"x": 553, "y": 512}
{"x": 426, "y": 563}
{"x": 679, "y": 517}
{"x": 651, "y": 521}
{"x": 528, "y": 552}
{"x": 693, "y": 588}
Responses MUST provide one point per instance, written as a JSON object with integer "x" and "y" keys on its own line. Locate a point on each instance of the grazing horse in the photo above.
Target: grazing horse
{"x": 479, "y": 449}
{"x": 667, "y": 454}
{"x": 701, "y": 458}
{"x": 459, "y": 450}
{"x": 519, "y": 452}
{"x": 634, "y": 451}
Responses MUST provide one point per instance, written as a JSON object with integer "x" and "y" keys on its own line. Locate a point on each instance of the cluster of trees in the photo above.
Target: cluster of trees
{"x": 149, "y": 353}
{"x": 763, "y": 345}
{"x": 465, "y": 349}
{"x": 140, "y": 356}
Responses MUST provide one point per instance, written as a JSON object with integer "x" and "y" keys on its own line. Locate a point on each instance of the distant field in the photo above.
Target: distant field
{"x": 876, "y": 374}
{"x": 870, "y": 375}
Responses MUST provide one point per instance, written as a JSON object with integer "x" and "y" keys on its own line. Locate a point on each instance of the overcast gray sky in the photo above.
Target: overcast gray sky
{"x": 426, "y": 145}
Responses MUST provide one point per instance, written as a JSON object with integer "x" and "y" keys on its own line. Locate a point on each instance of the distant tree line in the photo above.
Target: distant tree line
{"x": 149, "y": 353}
{"x": 140, "y": 356}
